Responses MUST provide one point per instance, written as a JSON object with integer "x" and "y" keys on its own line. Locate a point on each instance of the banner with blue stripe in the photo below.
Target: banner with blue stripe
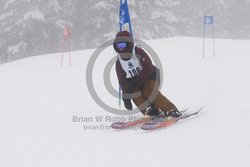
{"x": 124, "y": 13}
{"x": 208, "y": 19}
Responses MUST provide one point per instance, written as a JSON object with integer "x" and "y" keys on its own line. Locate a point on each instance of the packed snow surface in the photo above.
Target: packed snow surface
{"x": 48, "y": 117}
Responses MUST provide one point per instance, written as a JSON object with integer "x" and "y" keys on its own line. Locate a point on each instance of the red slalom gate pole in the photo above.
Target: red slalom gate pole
{"x": 62, "y": 51}
{"x": 69, "y": 29}
{"x": 66, "y": 39}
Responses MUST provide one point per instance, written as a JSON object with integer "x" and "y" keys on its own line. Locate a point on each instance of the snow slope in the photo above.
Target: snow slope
{"x": 39, "y": 99}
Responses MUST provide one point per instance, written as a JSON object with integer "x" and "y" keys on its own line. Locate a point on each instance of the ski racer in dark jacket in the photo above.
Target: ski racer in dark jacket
{"x": 136, "y": 73}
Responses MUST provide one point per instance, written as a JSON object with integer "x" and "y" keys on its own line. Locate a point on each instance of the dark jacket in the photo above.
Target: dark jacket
{"x": 149, "y": 70}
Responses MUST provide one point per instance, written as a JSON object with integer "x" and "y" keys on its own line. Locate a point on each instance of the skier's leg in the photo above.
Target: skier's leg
{"x": 160, "y": 101}
{"x": 151, "y": 110}
{"x": 138, "y": 102}
{"x": 145, "y": 107}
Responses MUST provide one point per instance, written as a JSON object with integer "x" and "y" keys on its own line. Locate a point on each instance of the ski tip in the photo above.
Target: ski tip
{"x": 201, "y": 108}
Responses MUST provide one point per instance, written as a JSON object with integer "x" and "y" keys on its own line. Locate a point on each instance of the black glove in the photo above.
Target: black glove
{"x": 130, "y": 85}
{"x": 128, "y": 104}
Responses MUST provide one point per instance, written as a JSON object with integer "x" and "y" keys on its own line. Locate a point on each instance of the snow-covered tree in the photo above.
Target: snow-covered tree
{"x": 31, "y": 27}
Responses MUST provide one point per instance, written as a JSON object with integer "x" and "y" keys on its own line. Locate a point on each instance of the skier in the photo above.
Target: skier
{"x": 135, "y": 72}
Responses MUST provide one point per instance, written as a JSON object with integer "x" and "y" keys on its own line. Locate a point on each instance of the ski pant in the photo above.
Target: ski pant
{"x": 160, "y": 101}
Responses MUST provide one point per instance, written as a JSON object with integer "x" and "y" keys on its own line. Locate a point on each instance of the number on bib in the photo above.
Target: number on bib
{"x": 134, "y": 72}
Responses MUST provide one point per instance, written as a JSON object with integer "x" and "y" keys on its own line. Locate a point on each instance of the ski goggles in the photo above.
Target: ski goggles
{"x": 121, "y": 45}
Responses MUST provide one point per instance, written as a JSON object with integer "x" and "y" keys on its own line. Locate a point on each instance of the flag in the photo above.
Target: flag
{"x": 66, "y": 32}
{"x": 208, "y": 19}
{"x": 123, "y": 19}
{"x": 124, "y": 13}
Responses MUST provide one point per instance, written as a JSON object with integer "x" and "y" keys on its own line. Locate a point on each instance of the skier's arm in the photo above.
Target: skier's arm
{"x": 147, "y": 66}
{"x": 121, "y": 75}
{"x": 123, "y": 82}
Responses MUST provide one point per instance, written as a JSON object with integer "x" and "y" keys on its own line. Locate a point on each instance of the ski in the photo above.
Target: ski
{"x": 125, "y": 125}
{"x": 156, "y": 124}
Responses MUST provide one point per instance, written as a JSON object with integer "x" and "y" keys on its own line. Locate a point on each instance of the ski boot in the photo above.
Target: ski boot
{"x": 173, "y": 113}
{"x": 152, "y": 111}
